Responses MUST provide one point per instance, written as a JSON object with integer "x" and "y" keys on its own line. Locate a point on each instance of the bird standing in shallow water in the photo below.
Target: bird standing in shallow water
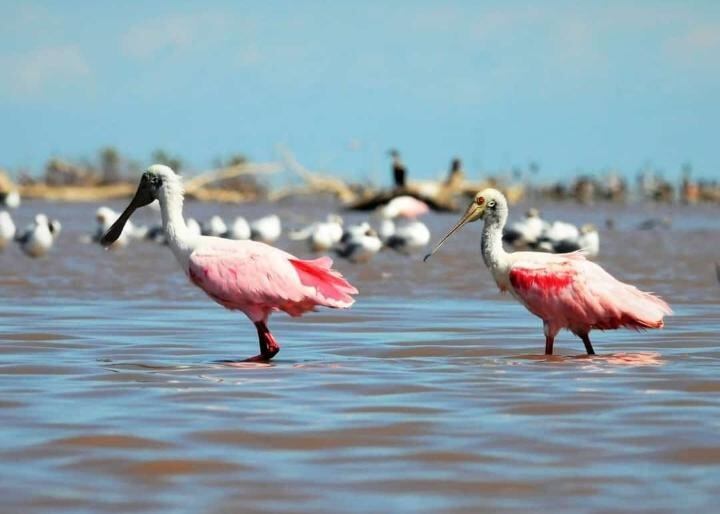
{"x": 38, "y": 237}
{"x": 7, "y": 229}
{"x": 248, "y": 276}
{"x": 564, "y": 290}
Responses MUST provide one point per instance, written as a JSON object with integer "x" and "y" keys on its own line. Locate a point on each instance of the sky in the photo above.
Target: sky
{"x": 574, "y": 86}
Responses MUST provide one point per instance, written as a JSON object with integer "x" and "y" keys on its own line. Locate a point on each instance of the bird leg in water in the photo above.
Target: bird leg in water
{"x": 549, "y": 340}
{"x": 588, "y": 346}
{"x": 269, "y": 347}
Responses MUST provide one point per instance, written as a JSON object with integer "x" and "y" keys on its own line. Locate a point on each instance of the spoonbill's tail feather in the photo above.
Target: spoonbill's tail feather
{"x": 331, "y": 287}
{"x": 642, "y": 310}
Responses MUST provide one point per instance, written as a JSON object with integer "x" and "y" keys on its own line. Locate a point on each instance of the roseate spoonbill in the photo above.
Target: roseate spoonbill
{"x": 7, "y": 229}
{"x": 239, "y": 230}
{"x": 248, "y": 276}
{"x": 10, "y": 199}
{"x": 565, "y": 291}
{"x": 266, "y": 229}
{"x": 359, "y": 243}
{"x": 523, "y": 233}
{"x": 38, "y": 237}
{"x": 214, "y": 227}
{"x": 409, "y": 237}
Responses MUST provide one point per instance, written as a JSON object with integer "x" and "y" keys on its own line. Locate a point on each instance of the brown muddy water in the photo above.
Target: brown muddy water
{"x": 430, "y": 395}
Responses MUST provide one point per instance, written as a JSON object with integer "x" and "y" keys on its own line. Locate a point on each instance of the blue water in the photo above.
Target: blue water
{"x": 430, "y": 395}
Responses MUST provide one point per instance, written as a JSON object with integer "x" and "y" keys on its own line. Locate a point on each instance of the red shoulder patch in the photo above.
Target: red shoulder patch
{"x": 524, "y": 279}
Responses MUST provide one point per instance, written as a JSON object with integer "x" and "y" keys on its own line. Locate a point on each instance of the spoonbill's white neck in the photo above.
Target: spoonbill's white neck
{"x": 171, "y": 206}
{"x": 494, "y": 255}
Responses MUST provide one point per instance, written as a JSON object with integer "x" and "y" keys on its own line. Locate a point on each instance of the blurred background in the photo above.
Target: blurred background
{"x": 519, "y": 90}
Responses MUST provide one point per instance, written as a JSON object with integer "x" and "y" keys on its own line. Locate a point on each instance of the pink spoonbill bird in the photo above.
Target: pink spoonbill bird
{"x": 247, "y": 276}
{"x": 564, "y": 290}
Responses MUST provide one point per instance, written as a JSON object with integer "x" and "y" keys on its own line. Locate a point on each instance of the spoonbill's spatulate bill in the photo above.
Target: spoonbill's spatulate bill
{"x": 248, "y": 276}
{"x": 564, "y": 290}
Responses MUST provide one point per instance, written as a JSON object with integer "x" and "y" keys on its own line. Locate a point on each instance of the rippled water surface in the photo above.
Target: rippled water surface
{"x": 430, "y": 395}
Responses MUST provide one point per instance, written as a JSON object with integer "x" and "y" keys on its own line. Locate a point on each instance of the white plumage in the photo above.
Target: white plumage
{"x": 267, "y": 229}
{"x": 38, "y": 237}
{"x": 7, "y": 229}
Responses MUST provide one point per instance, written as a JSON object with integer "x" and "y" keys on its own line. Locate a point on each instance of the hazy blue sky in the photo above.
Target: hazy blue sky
{"x": 570, "y": 84}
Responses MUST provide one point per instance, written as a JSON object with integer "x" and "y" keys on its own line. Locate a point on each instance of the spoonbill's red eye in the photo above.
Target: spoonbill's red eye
{"x": 479, "y": 200}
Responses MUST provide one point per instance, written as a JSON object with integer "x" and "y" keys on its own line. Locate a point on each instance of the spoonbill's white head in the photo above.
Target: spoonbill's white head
{"x": 156, "y": 179}
{"x": 488, "y": 204}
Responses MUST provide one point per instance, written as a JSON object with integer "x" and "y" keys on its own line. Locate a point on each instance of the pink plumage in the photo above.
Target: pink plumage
{"x": 258, "y": 279}
{"x": 568, "y": 291}
{"x": 405, "y": 207}
{"x": 247, "y": 276}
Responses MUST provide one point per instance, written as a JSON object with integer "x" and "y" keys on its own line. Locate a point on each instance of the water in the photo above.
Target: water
{"x": 430, "y": 395}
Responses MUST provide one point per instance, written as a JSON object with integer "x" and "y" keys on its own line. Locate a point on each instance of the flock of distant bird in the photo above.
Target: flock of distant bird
{"x": 399, "y": 229}
{"x": 534, "y": 233}
{"x": 395, "y": 225}
{"x": 36, "y": 239}
{"x": 267, "y": 229}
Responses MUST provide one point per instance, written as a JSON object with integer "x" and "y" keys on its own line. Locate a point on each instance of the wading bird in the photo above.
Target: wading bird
{"x": 7, "y": 229}
{"x": 38, "y": 237}
{"x": 248, "y": 276}
{"x": 214, "y": 227}
{"x": 588, "y": 241}
{"x": 359, "y": 243}
{"x": 105, "y": 217}
{"x": 10, "y": 199}
{"x": 239, "y": 230}
{"x": 521, "y": 234}
{"x": 564, "y": 290}
{"x": 409, "y": 237}
{"x": 266, "y": 229}
{"x": 321, "y": 236}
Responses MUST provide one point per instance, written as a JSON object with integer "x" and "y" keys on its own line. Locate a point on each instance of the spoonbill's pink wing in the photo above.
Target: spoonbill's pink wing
{"x": 571, "y": 292}
{"x": 256, "y": 279}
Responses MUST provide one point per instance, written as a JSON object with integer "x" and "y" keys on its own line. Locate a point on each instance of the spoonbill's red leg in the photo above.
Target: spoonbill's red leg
{"x": 269, "y": 347}
{"x": 549, "y": 345}
{"x": 588, "y": 346}
{"x": 549, "y": 338}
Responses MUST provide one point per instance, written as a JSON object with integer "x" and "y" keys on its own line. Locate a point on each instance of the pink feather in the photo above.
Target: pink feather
{"x": 257, "y": 279}
{"x": 568, "y": 291}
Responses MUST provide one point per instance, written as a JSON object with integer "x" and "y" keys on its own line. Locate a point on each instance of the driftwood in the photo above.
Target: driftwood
{"x": 206, "y": 178}
{"x": 5, "y": 183}
{"x": 196, "y": 187}
{"x": 514, "y": 192}
{"x": 317, "y": 183}
{"x": 77, "y": 193}
{"x": 383, "y": 197}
